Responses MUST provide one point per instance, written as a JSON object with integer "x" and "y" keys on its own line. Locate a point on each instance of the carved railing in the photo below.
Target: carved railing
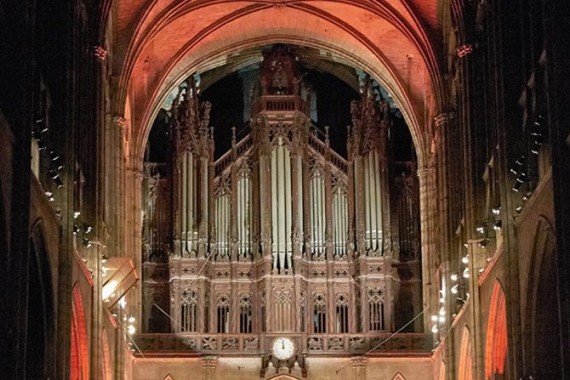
{"x": 320, "y": 147}
{"x": 279, "y": 103}
{"x": 256, "y": 344}
{"x": 226, "y": 159}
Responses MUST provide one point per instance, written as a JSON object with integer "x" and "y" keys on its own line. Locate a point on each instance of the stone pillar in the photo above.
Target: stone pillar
{"x": 134, "y": 177}
{"x": 359, "y": 367}
{"x": 442, "y": 123}
{"x": 209, "y": 365}
{"x": 428, "y": 196}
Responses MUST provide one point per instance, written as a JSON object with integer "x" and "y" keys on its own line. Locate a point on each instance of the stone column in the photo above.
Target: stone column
{"x": 359, "y": 367}
{"x": 209, "y": 365}
{"x": 428, "y": 194}
{"x": 134, "y": 177}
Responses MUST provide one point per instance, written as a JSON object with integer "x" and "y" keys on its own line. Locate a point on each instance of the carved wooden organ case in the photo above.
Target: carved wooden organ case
{"x": 280, "y": 234}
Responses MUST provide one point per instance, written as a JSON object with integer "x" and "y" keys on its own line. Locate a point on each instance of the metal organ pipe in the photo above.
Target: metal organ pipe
{"x": 184, "y": 208}
{"x": 299, "y": 174}
{"x": 281, "y": 200}
{"x": 367, "y": 208}
{"x": 379, "y": 221}
{"x": 288, "y": 205}
{"x": 274, "y": 203}
{"x": 373, "y": 201}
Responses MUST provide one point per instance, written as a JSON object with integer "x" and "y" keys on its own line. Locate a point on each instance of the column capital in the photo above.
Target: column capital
{"x": 422, "y": 173}
{"x": 443, "y": 118}
{"x": 358, "y": 362}
{"x": 209, "y": 362}
{"x": 121, "y": 123}
{"x": 100, "y": 53}
{"x": 136, "y": 173}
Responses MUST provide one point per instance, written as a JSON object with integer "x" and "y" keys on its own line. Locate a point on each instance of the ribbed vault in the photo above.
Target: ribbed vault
{"x": 159, "y": 43}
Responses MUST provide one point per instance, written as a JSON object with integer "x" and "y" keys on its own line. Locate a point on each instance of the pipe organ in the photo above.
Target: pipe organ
{"x": 280, "y": 233}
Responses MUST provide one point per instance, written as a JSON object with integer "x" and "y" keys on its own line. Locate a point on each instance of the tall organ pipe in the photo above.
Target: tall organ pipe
{"x": 288, "y": 205}
{"x": 379, "y": 219}
{"x": 274, "y": 203}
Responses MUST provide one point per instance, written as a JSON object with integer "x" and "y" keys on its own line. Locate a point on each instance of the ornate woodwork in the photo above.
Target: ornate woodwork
{"x": 281, "y": 234}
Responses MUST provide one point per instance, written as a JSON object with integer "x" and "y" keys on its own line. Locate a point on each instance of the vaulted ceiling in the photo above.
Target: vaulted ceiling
{"x": 158, "y": 43}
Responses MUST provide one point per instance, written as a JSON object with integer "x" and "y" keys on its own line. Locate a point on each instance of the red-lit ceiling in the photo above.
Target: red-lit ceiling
{"x": 157, "y": 43}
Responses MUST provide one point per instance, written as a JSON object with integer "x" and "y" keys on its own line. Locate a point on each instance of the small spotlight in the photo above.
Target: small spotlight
{"x": 483, "y": 243}
{"x": 86, "y": 242}
{"x": 465, "y": 259}
{"x": 518, "y": 209}
{"x": 455, "y": 289}
{"x": 41, "y": 144}
{"x": 58, "y": 182}
{"x": 53, "y": 155}
{"x": 520, "y": 160}
{"x": 496, "y": 210}
{"x": 434, "y": 329}
{"x": 453, "y": 277}
{"x": 498, "y": 225}
{"x": 53, "y": 174}
{"x": 466, "y": 273}
{"x": 76, "y": 229}
{"x": 76, "y": 214}
{"x": 38, "y": 118}
{"x": 517, "y": 186}
{"x": 481, "y": 229}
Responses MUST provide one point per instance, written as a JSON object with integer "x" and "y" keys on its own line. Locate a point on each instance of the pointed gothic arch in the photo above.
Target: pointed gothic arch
{"x": 398, "y": 376}
{"x": 496, "y": 337}
{"x": 466, "y": 356}
{"x": 79, "y": 357}
{"x": 168, "y": 377}
{"x": 543, "y": 352}
{"x": 283, "y": 377}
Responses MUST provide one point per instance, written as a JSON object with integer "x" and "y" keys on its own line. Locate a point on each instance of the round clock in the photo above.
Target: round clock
{"x": 283, "y": 348}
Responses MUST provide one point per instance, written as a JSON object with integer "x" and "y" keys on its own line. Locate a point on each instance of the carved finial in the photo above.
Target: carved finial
{"x": 100, "y": 53}
{"x": 233, "y": 136}
{"x": 327, "y": 138}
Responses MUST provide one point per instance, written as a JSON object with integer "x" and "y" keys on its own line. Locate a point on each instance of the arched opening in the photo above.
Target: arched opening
{"x": 171, "y": 45}
{"x": 79, "y": 356}
{"x": 398, "y": 376}
{"x": 544, "y": 323}
{"x": 40, "y": 338}
{"x": 281, "y": 162}
{"x": 466, "y": 356}
{"x": 496, "y": 337}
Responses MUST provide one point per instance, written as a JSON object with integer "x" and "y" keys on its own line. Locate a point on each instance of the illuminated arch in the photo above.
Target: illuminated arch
{"x": 442, "y": 371}
{"x": 79, "y": 357}
{"x": 162, "y": 43}
{"x": 496, "y": 337}
{"x": 466, "y": 356}
{"x": 398, "y": 376}
{"x": 283, "y": 377}
{"x": 543, "y": 353}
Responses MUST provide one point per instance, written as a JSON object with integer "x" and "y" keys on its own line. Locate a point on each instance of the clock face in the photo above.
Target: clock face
{"x": 283, "y": 348}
